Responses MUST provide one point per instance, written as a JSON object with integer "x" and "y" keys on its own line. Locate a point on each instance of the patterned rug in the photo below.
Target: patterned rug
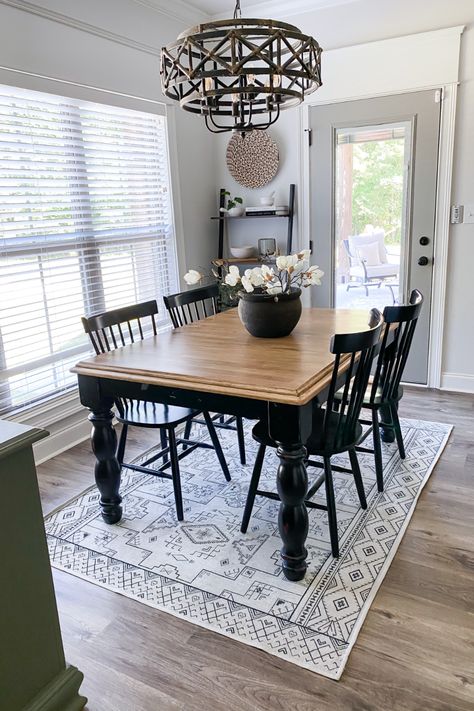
{"x": 206, "y": 572}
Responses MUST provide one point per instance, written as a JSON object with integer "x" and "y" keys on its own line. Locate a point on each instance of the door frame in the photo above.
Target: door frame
{"x": 427, "y": 78}
{"x": 442, "y": 223}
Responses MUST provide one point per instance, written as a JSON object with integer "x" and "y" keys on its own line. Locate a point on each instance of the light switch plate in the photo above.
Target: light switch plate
{"x": 469, "y": 213}
{"x": 457, "y": 212}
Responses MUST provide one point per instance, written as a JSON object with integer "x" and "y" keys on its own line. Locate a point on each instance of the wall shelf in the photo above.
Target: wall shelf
{"x": 223, "y": 219}
{"x": 249, "y": 217}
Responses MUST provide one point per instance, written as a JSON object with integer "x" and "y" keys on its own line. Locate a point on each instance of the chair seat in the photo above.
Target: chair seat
{"x": 380, "y": 271}
{"x": 317, "y": 444}
{"x": 378, "y": 400}
{"x": 150, "y": 414}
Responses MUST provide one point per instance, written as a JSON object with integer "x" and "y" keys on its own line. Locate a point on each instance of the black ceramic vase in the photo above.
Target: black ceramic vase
{"x": 270, "y": 316}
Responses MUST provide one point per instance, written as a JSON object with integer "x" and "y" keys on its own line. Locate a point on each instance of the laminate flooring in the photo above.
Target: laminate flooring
{"x": 415, "y": 650}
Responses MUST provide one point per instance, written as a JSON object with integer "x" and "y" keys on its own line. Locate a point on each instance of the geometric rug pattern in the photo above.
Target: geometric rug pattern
{"x": 207, "y": 572}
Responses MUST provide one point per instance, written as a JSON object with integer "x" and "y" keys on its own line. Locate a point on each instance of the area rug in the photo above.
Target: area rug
{"x": 208, "y": 573}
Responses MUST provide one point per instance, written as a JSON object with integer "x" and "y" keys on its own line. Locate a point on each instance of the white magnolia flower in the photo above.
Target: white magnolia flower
{"x": 304, "y": 255}
{"x": 233, "y": 277}
{"x": 267, "y": 272}
{"x": 277, "y": 289}
{"x": 192, "y": 277}
{"x": 254, "y": 276}
{"x": 285, "y": 263}
{"x": 313, "y": 276}
{"x": 300, "y": 266}
{"x": 246, "y": 283}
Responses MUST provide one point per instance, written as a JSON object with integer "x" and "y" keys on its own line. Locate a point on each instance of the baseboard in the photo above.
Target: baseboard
{"x": 63, "y": 417}
{"x": 458, "y": 382}
{"x": 62, "y": 440}
{"x": 61, "y": 694}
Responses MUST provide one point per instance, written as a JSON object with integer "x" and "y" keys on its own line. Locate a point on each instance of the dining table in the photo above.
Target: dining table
{"x": 215, "y": 365}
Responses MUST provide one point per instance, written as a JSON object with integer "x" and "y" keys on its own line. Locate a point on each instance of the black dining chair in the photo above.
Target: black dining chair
{"x": 335, "y": 428}
{"x": 119, "y": 327}
{"x": 187, "y": 307}
{"x": 385, "y": 392}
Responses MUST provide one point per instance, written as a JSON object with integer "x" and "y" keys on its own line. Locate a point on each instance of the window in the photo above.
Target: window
{"x": 85, "y": 226}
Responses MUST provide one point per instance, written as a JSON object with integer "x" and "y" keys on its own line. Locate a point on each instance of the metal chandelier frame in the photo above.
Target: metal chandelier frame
{"x": 240, "y": 73}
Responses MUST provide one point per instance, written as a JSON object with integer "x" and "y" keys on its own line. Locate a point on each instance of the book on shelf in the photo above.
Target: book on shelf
{"x": 271, "y": 211}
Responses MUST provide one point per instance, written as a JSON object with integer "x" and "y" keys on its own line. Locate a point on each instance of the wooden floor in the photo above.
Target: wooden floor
{"x": 415, "y": 649}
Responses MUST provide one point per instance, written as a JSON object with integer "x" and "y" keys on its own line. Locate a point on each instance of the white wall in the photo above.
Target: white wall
{"x": 371, "y": 20}
{"x": 458, "y": 361}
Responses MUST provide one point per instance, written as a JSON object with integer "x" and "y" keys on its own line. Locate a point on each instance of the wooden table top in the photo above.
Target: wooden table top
{"x": 217, "y": 355}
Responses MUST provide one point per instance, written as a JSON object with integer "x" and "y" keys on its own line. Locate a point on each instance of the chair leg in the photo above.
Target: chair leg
{"x": 332, "y": 517}
{"x": 178, "y": 497}
{"x": 187, "y": 432}
{"x": 398, "y": 431}
{"x": 121, "y": 445}
{"x": 217, "y": 445}
{"x": 164, "y": 444}
{"x": 358, "y": 478}
{"x": 254, "y": 481}
{"x": 377, "y": 450}
{"x": 240, "y": 437}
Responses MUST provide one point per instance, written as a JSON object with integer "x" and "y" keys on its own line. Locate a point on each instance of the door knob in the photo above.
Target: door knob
{"x": 424, "y": 241}
{"x": 423, "y": 261}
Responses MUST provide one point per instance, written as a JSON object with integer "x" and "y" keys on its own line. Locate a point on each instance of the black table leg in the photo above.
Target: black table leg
{"x": 290, "y": 427}
{"x": 104, "y": 445}
{"x": 107, "y": 468}
{"x": 292, "y": 485}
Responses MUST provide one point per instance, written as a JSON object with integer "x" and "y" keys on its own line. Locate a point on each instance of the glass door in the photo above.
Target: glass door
{"x": 373, "y": 178}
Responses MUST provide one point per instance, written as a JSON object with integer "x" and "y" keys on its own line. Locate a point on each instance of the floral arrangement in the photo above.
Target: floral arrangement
{"x": 290, "y": 272}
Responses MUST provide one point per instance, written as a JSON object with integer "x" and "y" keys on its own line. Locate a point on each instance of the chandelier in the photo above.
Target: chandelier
{"x": 240, "y": 73}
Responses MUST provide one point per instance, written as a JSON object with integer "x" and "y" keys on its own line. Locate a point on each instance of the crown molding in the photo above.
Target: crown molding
{"x": 178, "y": 10}
{"x": 54, "y": 16}
{"x": 282, "y": 10}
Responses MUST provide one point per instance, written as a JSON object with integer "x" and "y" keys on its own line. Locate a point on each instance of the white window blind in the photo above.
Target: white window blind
{"x": 85, "y": 226}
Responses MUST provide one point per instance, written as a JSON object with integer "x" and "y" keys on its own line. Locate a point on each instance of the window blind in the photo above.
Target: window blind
{"x": 85, "y": 226}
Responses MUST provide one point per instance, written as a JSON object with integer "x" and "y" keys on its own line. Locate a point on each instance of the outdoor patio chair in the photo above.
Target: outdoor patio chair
{"x": 368, "y": 258}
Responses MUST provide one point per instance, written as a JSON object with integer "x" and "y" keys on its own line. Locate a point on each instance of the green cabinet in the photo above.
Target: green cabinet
{"x": 34, "y": 675}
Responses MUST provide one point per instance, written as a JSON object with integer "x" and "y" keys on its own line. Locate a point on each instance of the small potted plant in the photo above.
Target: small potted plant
{"x": 234, "y": 206}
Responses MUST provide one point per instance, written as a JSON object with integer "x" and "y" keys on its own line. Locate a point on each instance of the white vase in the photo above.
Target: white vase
{"x": 236, "y": 211}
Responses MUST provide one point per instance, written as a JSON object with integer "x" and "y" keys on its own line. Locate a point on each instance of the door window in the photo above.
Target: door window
{"x": 371, "y": 190}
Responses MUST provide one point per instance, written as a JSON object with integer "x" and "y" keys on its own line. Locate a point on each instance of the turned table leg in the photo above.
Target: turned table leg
{"x": 107, "y": 468}
{"x": 292, "y": 485}
{"x": 290, "y": 426}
